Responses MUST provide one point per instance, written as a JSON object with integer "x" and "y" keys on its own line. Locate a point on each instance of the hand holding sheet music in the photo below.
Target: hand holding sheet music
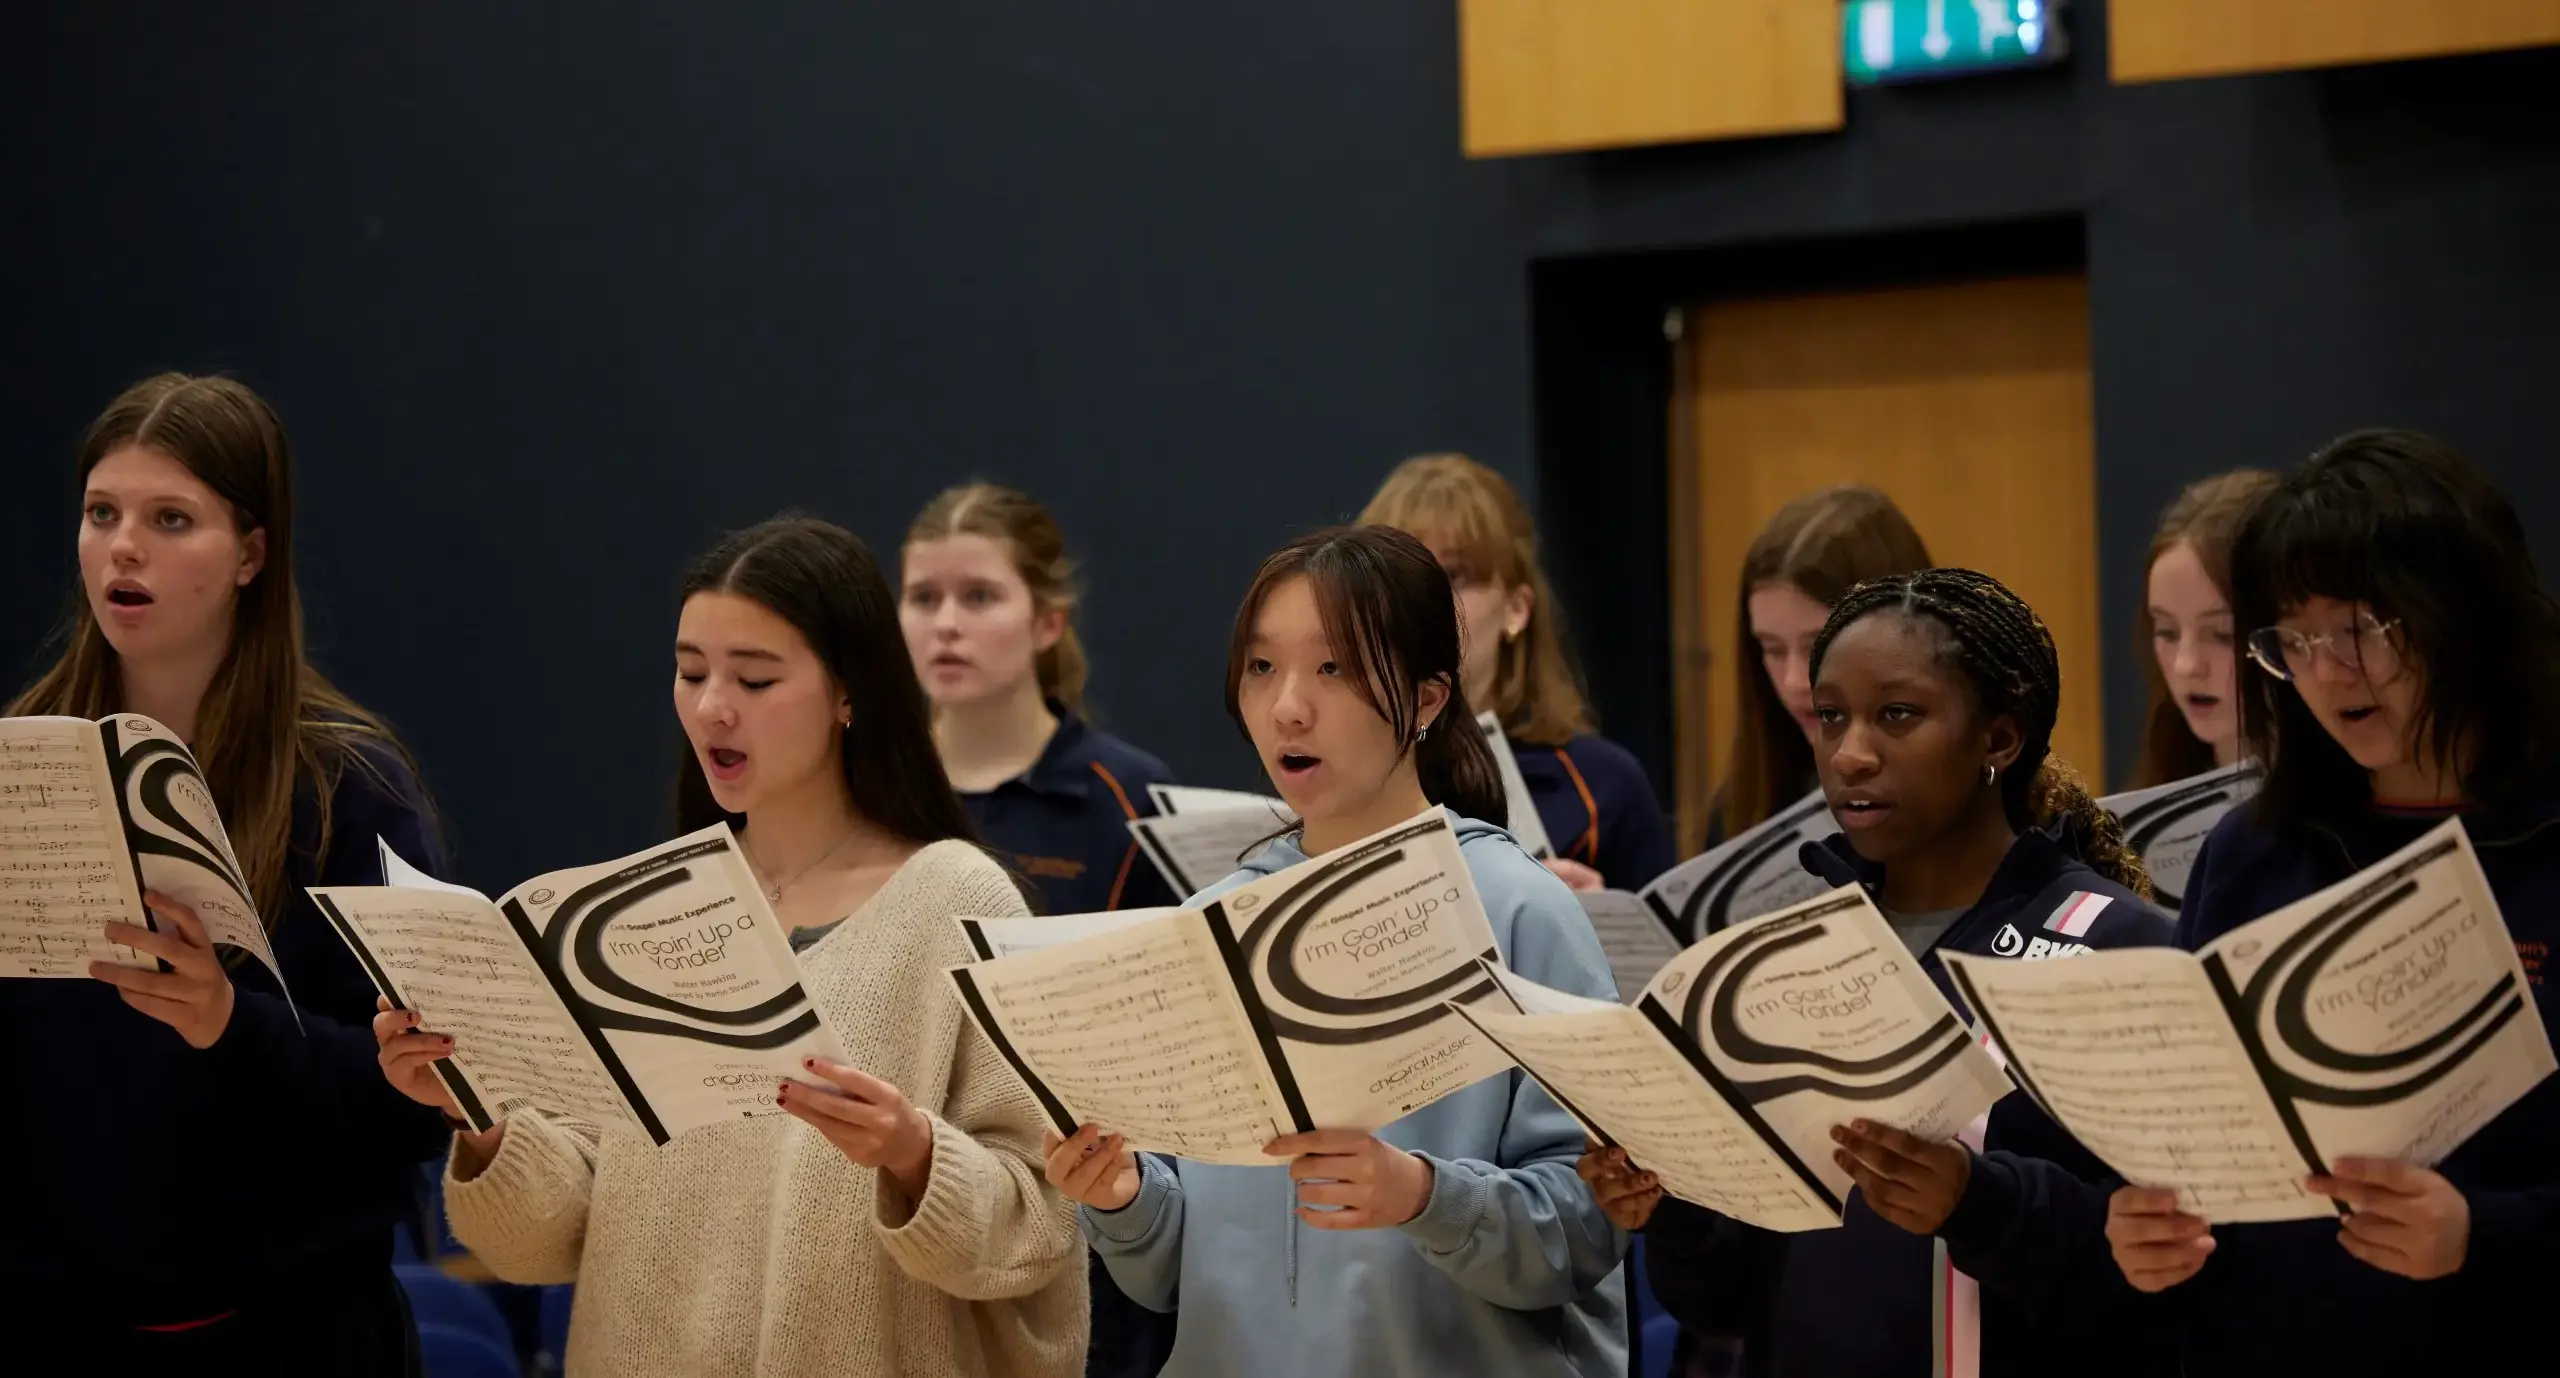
{"x": 656, "y": 992}
{"x": 1727, "y": 1075}
{"x": 1310, "y": 998}
{"x": 91, "y": 815}
{"x": 2386, "y": 1017}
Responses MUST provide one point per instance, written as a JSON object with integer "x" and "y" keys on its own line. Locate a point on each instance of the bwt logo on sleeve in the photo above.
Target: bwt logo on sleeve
{"x": 2008, "y": 942}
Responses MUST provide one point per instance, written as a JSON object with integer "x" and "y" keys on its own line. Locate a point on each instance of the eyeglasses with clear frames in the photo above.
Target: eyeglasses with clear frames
{"x": 2371, "y": 650}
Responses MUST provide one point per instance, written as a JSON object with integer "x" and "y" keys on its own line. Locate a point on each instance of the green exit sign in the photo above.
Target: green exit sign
{"x": 1910, "y": 40}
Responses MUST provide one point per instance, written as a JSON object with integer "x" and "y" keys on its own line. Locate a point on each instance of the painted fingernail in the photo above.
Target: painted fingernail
{"x": 809, "y": 1062}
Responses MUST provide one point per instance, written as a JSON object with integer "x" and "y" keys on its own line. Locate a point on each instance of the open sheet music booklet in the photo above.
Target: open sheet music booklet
{"x": 1745, "y": 876}
{"x": 91, "y": 815}
{"x": 2166, "y": 824}
{"x": 1524, "y": 824}
{"x": 2386, "y": 1016}
{"x": 656, "y": 992}
{"x": 1314, "y": 996}
{"x": 1199, "y": 836}
{"x": 1726, "y": 1076}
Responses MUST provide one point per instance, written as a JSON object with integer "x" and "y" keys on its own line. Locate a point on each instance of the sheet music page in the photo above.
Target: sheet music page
{"x": 1817, "y": 1015}
{"x": 65, "y": 871}
{"x": 2391, "y": 1008}
{"x": 1525, "y": 826}
{"x": 450, "y": 955}
{"x": 1745, "y": 877}
{"x": 1350, "y": 959}
{"x": 1631, "y": 934}
{"x": 177, "y": 836}
{"x": 2130, "y": 1050}
{"x": 1614, "y": 1072}
{"x": 1136, "y": 1029}
{"x": 2167, "y": 824}
{"x": 1002, "y": 937}
{"x": 1180, "y": 799}
{"x": 681, "y": 976}
{"x": 1196, "y": 850}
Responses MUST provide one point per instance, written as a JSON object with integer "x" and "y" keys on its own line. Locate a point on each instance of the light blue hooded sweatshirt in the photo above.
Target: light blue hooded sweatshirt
{"x": 1511, "y": 1269}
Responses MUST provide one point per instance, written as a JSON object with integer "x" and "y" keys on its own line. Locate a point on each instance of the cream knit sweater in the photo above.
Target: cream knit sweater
{"x": 758, "y": 1248}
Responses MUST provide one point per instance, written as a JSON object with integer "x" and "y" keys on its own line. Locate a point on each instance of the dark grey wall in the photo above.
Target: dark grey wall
{"x": 550, "y": 295}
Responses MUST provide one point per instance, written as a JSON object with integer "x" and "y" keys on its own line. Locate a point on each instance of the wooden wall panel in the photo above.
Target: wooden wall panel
{"x": 2156, "y": 40}
{"x": 1968, "y": 404}
{"x": 1544, "y": 76}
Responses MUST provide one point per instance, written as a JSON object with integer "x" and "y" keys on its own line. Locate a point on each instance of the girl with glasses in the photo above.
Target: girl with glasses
{"x": 2405, "y": 667}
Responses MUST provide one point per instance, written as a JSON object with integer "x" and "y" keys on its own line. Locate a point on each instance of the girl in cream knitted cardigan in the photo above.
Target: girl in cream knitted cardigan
{"x": 896, "y": 1221}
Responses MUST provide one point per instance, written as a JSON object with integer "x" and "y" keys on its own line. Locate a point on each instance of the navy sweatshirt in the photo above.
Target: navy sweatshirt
{"x": 150, "y": 1183}
{"x": 1857, "y": 1302}
{"x": 1599, "y": 808}
{"x": 2286, "y": 1298}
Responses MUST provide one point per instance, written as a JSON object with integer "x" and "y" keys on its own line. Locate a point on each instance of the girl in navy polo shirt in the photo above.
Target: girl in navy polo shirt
{"x": 988, "y": 603}
{"x": 1598, "y": 807}
{"x": 2406, "y": 666}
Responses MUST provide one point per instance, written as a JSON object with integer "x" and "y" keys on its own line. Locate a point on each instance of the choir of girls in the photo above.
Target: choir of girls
{"x": 2369, "y": 630}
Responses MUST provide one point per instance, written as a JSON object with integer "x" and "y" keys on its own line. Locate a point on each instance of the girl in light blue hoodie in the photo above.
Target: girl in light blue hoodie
{"x": 1457, "y": 1240}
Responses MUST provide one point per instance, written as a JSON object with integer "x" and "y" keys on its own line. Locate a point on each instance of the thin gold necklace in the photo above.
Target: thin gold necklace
{"x": 774, "y": 891}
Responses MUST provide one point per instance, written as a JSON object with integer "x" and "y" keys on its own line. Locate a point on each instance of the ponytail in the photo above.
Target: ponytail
{"x": 1062, "y": 669}
{"x": 1456, "y": 766}
{"x": 2057, "y": 792}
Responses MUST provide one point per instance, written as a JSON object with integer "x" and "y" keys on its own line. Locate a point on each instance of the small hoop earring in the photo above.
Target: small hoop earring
{"x": 1990, "y": 773}
{"x": 1422, "y": 736}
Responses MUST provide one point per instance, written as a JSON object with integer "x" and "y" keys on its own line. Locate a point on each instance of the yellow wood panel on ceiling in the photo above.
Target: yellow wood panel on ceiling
{"x": 2157, "y": 40}
{"x": 1968, "y": 404}
{"x": 1546, "y": 76}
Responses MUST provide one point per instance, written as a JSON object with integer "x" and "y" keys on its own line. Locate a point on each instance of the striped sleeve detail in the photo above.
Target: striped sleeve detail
{"x": 1589, "y": 843}
{"x": 2075, "y": 915}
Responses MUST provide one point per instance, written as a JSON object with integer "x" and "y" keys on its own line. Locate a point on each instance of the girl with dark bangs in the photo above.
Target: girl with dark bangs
{"x": 2405, "y": 667}
{"x": 1457, "y": 1240}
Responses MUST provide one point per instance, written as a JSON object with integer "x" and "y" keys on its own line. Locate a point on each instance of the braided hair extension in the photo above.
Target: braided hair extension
{"x": 1997, "y": 643}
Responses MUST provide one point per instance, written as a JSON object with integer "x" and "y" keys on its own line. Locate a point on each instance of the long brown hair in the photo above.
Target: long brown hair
{"x": 2207, "y": 516}
{"x": 1824, "y": 544}
{"x": 821, "y": 579}
{"x": 2005, "y": 654}
{"x": 1393, "y": 622}
{"x": 269, "y": 720}
{"x": 1038, "y": 547}
{"x": 1452, "y": 501}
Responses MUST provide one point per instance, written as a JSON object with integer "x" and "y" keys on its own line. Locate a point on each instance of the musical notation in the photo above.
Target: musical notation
{"x": 468, "y": 978}
{"x": 1138, "y": 1037}
{"x": 1611, "y": 1066}
{"x": 63, "y": 873}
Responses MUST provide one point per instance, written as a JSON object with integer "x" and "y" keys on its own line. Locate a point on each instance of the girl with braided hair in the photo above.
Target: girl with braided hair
{"x": 1935, "y": 695}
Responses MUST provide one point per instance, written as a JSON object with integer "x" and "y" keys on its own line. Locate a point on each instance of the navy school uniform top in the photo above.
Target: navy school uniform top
{"x": 2285, "y": 1297}
{"x": 150, "y": 1183}
{"x": 1860, "y": 1301}
{"x": 1599, "y": 808}
{"x": 1064, "y": 823}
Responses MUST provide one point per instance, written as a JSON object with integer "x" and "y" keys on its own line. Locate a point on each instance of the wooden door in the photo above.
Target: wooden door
{"x": 1968, "y": 404}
